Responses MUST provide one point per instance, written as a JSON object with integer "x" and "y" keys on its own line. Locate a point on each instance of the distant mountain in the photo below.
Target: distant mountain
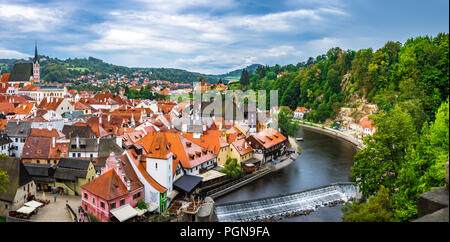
{"x": 237, "y": 73}
{"x": 56, "y": 70}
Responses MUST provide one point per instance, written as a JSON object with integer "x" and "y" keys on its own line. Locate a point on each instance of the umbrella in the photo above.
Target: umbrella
{"x": 43, "y": 196}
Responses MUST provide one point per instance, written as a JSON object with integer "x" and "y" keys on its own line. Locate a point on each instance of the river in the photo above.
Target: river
{"x": 324, "y": 160}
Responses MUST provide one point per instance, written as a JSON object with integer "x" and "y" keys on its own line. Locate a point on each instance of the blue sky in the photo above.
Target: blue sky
{"x": 210, "y": 36}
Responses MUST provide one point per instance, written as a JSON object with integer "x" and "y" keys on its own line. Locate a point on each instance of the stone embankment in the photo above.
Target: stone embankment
{"x": 335, "y": 133}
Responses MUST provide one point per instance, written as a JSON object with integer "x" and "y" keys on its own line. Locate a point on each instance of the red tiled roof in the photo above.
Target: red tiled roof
{"x": 240, "y": 145}
{"x": 144, "y": 172}
{"x": 301, "y": 109}
{"x": 44, "y": 133}
{"x": 107, "y": 186}
{"x": 6, "y": 108}
{"x": 366, "y": 123}
{"x": 24, "y": 108}
{"x": 50, "y": 103}
{"x": 269, "y": 137}
{"x": 5, "y": 77}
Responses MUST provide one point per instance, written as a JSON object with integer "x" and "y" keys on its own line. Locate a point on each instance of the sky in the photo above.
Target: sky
{"x": 210, "y": 36}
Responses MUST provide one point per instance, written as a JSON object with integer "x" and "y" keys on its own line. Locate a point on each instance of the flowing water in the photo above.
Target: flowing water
{"x": 324, "y": 160}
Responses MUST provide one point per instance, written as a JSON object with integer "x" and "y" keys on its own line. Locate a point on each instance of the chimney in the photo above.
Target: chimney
{"x": 78, "y": 142}
{"x": 53, "y": 142}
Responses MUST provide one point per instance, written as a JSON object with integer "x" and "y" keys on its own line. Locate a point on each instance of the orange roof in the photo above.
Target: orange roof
{"x": 60, "y": 150}
{"x": 210, "y": 140}
{"x": 6, "y": 108}
{"x": 44, "y": 133}
{"x": 366, "y": 123}
{"x": 30, "y": 87}
{"x": 24, "y": 108}
{"x": 156, "y": 145}
{"x": 81, "y": 106}
{"x": 301, "y": 109}
{"x": 144, "y": 173}
{"x": 3, "y": 123}
{"x": 5, "y": 77}
{"x": 269, "y": 137}
{"x": 241, "y": 145}
{"x": 107, "y": 186}
{"x": 50, "y": 103}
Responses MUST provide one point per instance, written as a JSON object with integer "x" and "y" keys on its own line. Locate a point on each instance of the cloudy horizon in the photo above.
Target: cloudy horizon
{"x": 210, "y": 37}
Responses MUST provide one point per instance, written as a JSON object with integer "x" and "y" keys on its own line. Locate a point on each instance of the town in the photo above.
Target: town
{"x": 101, "y": 156}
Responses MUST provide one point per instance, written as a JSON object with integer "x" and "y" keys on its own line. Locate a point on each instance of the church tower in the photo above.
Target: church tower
{"x": 36, "y": 71}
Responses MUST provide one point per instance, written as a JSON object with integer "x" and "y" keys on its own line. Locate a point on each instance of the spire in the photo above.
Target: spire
{"x": 36, "y": 59}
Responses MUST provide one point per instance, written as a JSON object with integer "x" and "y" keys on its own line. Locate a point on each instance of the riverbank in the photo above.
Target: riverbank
{"x": 271, "y": 166}
{"x": 334, "y": 133}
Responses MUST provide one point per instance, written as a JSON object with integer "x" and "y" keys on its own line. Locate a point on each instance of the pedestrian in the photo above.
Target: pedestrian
{"x": 81, "y": 217}
{"x": 79, "y": 209}
{"x": 56, "y": 195}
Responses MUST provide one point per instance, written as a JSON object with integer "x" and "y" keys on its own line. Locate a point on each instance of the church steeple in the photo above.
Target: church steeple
{"x": 36, "y": 69}
{"x": 36, "y": 59}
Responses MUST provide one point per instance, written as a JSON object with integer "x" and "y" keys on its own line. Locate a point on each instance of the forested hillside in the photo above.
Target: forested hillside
{"x": 409, "y": 83}
{"x": 56, "y": 70}
{"x": 416, "y": 71}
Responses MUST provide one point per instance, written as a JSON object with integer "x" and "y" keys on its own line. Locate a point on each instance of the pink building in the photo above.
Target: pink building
{"x": 117, "y": 186}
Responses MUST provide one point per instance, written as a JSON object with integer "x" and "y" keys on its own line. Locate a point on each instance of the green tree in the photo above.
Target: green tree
{"x": 4, "y": 179}
{"x": 141, "y": 204}
{"x": 378, "y": 208}
{"x": 286, "y": 122}
{"x": 380, "y": 161}
{"x": 233, "y": 169}
{"x": 424, "y": 166}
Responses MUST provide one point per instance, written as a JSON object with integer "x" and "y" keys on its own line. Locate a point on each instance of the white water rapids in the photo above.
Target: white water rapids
{"x": 295, "y": 203}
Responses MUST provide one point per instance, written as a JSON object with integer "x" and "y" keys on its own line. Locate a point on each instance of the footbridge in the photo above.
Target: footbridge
{"x": 298, "y": 203}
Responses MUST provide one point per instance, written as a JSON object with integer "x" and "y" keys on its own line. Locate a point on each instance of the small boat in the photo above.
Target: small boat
{"x": 299, "y": 139}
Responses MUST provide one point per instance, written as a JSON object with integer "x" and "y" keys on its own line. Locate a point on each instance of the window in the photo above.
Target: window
{"x": 85, "y": 195}
{"x": 102, "y": 205}
{"x": 92, "y": 155}
{"x": 156, "y": 165}
{"x": 93, "y": 200}
{"x": 136, "y": 195}
{"x": 113, "y": 205}
{"x": 122, "y": 202}
{"x": 79, "y": 154}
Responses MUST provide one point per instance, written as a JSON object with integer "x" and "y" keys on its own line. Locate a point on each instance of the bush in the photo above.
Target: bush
{"x": 141, "y": 204}
{"x": 233, "y": 169}
{"x": 378, "y": 208}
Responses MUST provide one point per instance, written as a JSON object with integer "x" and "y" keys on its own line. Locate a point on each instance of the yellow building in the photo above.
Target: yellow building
{"x": 223, "y": 155}
{"x": 240, "y": 150}
{"x": 70, "y": 174}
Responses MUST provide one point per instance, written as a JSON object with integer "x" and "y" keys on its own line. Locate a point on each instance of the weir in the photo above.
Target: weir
{"x": 296, "y": 203}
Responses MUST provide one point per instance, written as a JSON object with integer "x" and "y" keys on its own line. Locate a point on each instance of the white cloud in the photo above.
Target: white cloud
{"x": 12, "y": 54}
{"x": 29, "y": 19}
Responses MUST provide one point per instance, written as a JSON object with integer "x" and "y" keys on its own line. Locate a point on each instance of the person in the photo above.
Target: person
{"x": 81, "y": 217}
{"x": 56, "y": 195}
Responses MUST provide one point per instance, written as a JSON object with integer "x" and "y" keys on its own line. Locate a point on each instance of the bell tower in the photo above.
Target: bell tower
{"x": 36, "y": 71}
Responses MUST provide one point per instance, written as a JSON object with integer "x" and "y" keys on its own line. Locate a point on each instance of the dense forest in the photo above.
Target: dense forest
{"x": 410, "y": 84}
